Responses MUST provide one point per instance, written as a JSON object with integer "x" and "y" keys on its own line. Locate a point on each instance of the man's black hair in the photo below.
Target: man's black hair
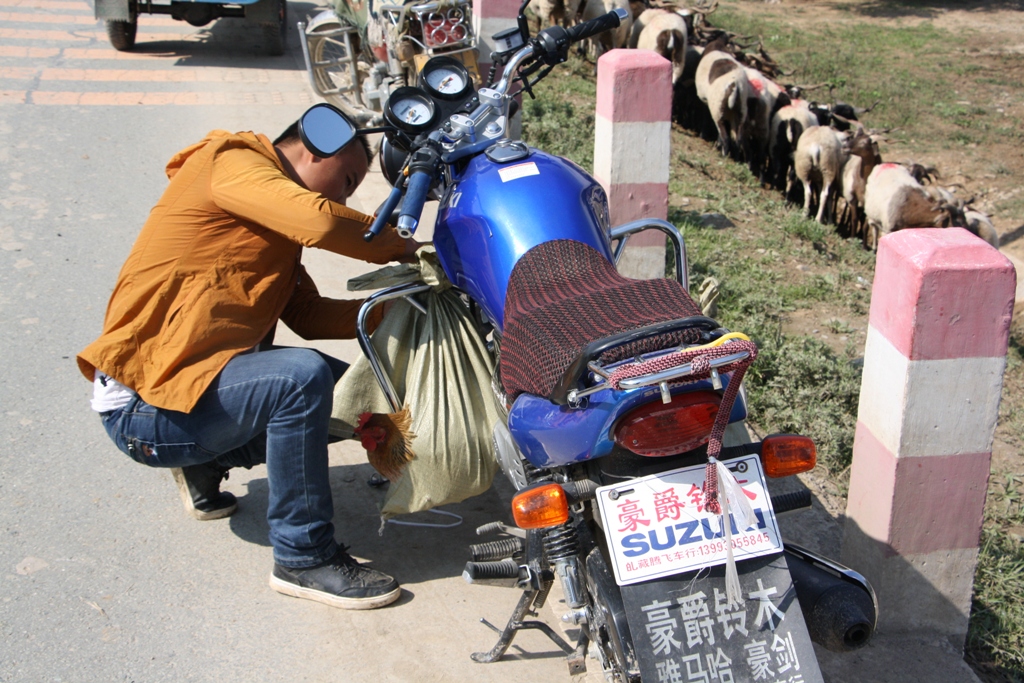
{"x": 291, "y": 135}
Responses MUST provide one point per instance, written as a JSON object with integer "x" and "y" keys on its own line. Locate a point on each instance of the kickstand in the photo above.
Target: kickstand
{"x": 575, "y": 656}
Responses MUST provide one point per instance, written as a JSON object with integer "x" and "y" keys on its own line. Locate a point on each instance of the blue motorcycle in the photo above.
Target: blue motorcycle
{"x": 615, "y": 393}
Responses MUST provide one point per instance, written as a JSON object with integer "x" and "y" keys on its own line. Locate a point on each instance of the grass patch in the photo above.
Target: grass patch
{"x": 859, "y": 60}
{"x": 799, "y": 383}
{"x": 995, "y": 640}
{"x": 561, "y": 120}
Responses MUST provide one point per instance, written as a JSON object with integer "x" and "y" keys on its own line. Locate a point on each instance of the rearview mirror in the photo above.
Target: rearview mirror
{"x": 325, "y": 130}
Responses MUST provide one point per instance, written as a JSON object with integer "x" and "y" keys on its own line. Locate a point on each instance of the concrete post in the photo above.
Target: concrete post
{"x": 490, "y": 17}
{"x": 939, "y": 323}
{"x": 631, "y": 149}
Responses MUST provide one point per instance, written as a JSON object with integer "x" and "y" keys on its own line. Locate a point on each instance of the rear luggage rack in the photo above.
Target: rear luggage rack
{"x": 590, "y": 355}
{"x": 660, "y": 377}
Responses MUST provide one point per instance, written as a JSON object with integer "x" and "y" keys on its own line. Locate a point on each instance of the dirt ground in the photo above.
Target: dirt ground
{"x": 991, "y": 171}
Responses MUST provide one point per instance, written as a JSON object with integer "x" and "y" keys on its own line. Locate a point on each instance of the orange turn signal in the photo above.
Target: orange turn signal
{"x": 786, "y": 454}
{"x": 540, "y": 507}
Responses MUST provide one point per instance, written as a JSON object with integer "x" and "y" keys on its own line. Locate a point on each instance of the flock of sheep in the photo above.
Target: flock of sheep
{"x": 790, "y": 143}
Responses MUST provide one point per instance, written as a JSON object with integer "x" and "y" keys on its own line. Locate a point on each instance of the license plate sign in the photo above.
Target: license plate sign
{"x": 657, "y": 525}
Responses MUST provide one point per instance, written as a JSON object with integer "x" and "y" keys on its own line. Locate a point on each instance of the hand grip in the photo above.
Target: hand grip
{"x": 383, "y": 213}
{"x": 603, "y": 23}
{"x": 415, "y": 196}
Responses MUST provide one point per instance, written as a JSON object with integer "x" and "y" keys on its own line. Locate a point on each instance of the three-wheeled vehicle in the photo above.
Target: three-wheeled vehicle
{"x": 122, "y": 17}
{"x": 358, "y": 53}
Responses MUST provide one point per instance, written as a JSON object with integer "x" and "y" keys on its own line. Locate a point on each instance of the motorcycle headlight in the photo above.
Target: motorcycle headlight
{"x": 392, "y": 160}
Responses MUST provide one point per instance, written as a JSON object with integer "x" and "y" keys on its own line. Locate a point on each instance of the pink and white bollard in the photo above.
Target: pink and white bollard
{"x": 939, "y": 323}
{"x": 631, "y": 149}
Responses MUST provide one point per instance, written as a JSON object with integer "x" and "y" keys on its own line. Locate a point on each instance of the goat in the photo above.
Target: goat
{"x": 818, "y": 161}
{"x": 664, "y": 32}
{"x": 974, "y": 221}
{"x": 788, "y": 124}
{"x": 863, "y": 156}
{"x": 723, "y": 85}
{"x": 636, "y": 8}
{"x": 922, "y": 174}
{"x": 609, "y": 40}
{"x": 840, "y": 116}
{"x": 894, "y": 200}
{"x": 981, "y": 225}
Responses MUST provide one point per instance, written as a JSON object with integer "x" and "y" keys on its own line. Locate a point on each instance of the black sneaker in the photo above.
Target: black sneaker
{"x": 339, "y": 582}
{"x": 199, "y": 486}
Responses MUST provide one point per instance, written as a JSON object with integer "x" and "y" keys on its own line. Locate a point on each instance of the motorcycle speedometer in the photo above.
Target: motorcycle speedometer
{"x": 410, "y": 110}
{"x": 446, "y": 78}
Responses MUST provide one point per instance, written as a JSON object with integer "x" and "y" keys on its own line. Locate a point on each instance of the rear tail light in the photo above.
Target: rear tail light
{"x": 786, "y": 454}
{"x": 540, "y": 507}
{"x": 657, "y": 429}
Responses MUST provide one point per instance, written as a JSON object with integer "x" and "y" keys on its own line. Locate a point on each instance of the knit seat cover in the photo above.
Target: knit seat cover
{"x": 564, "y": 294}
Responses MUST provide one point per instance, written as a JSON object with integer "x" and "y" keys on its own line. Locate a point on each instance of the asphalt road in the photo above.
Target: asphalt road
{"x": 102, "y": 576}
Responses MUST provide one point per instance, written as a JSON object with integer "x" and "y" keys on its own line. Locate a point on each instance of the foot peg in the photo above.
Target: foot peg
{"x": 507, "y": 573}
{"x": 501, "y": 549}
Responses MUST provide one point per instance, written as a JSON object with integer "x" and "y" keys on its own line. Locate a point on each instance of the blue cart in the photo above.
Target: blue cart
{"x": 122, "y": 17}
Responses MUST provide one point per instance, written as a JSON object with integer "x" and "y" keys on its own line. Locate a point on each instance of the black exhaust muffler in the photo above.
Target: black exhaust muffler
{"x": 838, "y": 604}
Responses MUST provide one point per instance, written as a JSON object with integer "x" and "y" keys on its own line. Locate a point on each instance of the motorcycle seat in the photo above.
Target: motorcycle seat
{"x": 563, "y": 296}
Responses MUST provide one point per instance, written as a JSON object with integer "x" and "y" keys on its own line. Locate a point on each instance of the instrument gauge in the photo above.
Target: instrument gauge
{"x": 446, "y": 81}
{"x": 446, "y": 78}
{"x": 410, "y": 110}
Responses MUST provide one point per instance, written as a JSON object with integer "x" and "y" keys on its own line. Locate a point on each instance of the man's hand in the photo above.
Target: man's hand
{"x": 411, "y": 246}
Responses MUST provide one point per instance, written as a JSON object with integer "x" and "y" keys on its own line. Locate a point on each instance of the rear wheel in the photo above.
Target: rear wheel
{"x": 332, "y": 63}
{"x": 122, "y": 33}
{"x": 275, "y": 33}
{"x": 607, "y": 625}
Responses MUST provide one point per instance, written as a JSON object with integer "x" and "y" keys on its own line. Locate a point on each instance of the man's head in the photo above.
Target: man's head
{"x": 335, "y": 177}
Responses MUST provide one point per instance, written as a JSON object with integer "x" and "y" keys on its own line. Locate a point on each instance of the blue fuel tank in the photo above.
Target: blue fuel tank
{"x": 493, "y": 213}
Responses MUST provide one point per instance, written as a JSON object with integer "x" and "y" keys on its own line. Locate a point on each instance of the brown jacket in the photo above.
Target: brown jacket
{"x": 217, "y": 264}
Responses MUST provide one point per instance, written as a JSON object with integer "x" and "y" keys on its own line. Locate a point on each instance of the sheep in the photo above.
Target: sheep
{"x": 788, "y": 124}
{"x": 665, "y": 33}
{"x": 687, "y": 108}
{"x": 863, "y": 156}
{"x": 609, "y": 40}
{"x": 894, "y": 200}
{"x": 760, "y": 107}
{"x": 818, "y": 161}
{"x": 722, "y": 83}
{"x": 554, "y": 12}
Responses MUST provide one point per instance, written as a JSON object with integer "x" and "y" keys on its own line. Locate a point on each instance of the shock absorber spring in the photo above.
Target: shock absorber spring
{"x": 561, "y": 542}
{"x": 535, "y": 475}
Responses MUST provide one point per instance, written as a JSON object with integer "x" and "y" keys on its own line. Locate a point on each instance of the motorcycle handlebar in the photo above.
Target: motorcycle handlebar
{"x": 553, "y": 41}
{"x": 384, "y": 213}
{"x": 603, "y": 23}
{"x": 415, "y": 195}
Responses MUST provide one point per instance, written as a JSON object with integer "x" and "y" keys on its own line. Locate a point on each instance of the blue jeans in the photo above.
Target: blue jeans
{"x": 272, "y": 407}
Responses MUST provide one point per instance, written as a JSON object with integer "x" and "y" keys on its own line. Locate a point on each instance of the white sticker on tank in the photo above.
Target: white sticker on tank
{"x": 518, "y": 171}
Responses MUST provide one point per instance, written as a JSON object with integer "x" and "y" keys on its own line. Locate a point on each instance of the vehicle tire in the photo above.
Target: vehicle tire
{"x": 607, "y": 625}
{"x": 329, "y": 56}
{"x": 122, "y": 34}
{"x": 275, "y": 34}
